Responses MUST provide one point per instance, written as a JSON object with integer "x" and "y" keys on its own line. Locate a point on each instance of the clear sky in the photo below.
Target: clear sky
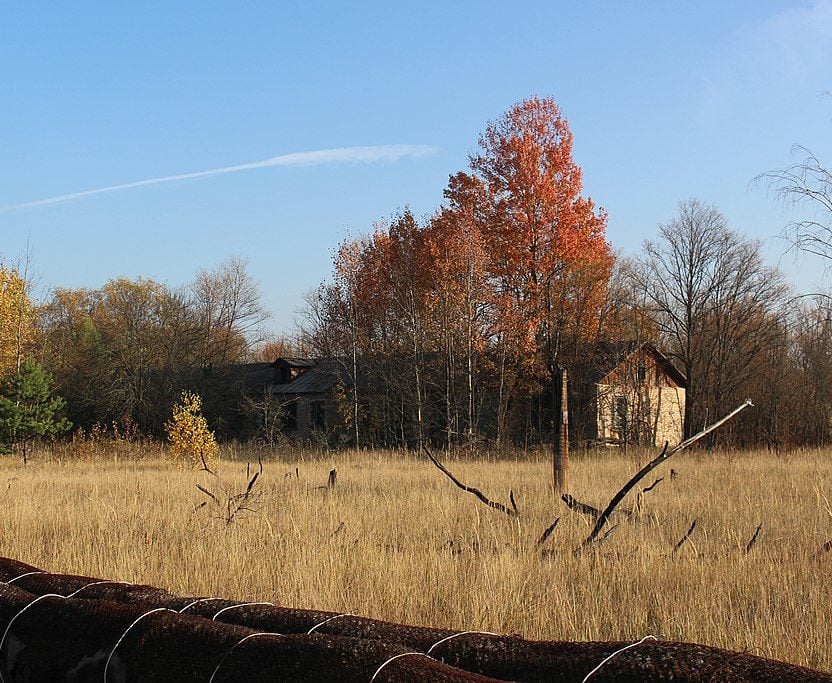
{"x": 667, "y": 100}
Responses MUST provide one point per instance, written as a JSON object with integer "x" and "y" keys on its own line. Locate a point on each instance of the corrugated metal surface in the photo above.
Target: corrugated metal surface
{"x": 252, "y": 376}
{"x": 295, "y": 363}
{"x": 314, "y": 381}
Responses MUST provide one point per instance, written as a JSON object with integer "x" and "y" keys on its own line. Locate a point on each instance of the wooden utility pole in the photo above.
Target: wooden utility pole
{"x": 560, "y": 441}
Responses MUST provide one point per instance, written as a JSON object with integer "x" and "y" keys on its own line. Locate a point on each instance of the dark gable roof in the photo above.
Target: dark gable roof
{"x": 294, "y": 363}
{"x": 607, "y": 356}
{"x": 251, "y": 376}
{"x": 324, "y": 373}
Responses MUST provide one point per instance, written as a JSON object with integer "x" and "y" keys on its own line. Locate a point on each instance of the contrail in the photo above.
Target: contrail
{"x": 318, "y": 157}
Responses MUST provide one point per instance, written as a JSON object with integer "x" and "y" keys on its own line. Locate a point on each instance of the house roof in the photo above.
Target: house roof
{"x": 310, "y": 382}
{"x": 250, "y": 376}
{"x": 319, "y": 379}
{"x": 607, "y": 356}
{"x": 294, "y": 363}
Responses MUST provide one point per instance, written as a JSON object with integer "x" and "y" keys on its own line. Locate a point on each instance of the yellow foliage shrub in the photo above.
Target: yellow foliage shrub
{"x": 16, "y": 318}
{"x": 190, "y": 442}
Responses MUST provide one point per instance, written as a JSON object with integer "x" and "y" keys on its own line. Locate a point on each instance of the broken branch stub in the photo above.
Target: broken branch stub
{"x": 754, "y": 539}
{"x": 685, "y": 537}
{"x": 548, "y": 531}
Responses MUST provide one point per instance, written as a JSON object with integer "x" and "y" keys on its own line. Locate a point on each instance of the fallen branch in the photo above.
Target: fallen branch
{"x": 685, "y": 537}
{"x": 653, "y": 464}
{"x": 548, "y": 531}
{"x": 647, "y": 489}
{"x": 578, "y": 506}
{"x": 209, "y": 494}
{"x": 229, "y": 503}
{"x": 608, "y": 533}
{"x": 754, "y": 539}
{"x": 470, "y": 489}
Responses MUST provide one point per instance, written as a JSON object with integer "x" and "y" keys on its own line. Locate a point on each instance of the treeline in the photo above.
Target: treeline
{"x": 121, "y": 355}
{"x": 452, "y": 329}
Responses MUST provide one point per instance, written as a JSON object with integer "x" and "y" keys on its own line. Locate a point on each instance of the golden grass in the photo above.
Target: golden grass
{"x": 415, "y": 549}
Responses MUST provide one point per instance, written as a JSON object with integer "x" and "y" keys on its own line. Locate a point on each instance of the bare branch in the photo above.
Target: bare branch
{"x": 580, "y": 507}
{"x": 470, "y": 489}
{"x": 684, "y": 538}
{"x": 209, "y": 494}
{"x": 647, "y": 489}
{"x": 644, "y": 471}
{"x": 548, "y": 531}
{"x": 754, "y": 539}
{"x": 609, "y": 533}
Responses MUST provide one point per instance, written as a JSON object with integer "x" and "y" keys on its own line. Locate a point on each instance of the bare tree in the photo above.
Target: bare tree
{"x": 709, "y": 292}
{"x": 227, "y": 302}
{"x": 806, "y": 184}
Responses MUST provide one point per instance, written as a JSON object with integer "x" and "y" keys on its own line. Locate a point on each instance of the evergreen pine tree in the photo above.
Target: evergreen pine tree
{"x": 28, "y": 409}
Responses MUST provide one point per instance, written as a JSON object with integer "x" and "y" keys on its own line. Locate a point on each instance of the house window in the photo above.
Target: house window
{"x": 290, "y": 422}
{"x": 642, "y": 372}
{"x": 619, "y": 415}
{"x": 317, "y": 415}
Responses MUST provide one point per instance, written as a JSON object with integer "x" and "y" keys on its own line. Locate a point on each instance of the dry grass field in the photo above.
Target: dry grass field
{"x": 396, "y": 540}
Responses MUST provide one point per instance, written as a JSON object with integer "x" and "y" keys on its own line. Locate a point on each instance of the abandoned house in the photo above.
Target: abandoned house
{"x": 304, "y": 387}
{"x": 629, "y": 393}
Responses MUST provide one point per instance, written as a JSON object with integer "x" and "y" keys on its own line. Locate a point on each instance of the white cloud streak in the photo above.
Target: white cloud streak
{"x": 320, "y": 157}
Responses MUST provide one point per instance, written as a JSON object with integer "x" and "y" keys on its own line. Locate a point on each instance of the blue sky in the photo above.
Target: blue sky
{"x": 667, "y": 100}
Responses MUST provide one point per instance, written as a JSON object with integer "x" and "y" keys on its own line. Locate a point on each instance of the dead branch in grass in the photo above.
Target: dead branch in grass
{"x": 754, "y": 539}
{"x": 684, "y": 538}
{"x": 330, "y": 482}
{"x": 650, "y": 466}
{"x": 230, "y": 502}
{"x": 647, "y": 489}
{"x": 578, "y": 506}
{"x": 609, "y": 533}
{"x": 470, "y": 489}
{"x": 548, "y": 531}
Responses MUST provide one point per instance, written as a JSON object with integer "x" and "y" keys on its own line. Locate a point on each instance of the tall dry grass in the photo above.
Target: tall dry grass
{"x": 413, "y": 548}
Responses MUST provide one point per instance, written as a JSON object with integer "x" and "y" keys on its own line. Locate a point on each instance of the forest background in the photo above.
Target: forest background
{"x": 450, "y": 330}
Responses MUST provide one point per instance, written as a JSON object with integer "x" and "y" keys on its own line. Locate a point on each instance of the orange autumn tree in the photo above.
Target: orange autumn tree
{"x": 451, "y": 329}
{"x": 402, "y": 270}
{"x": 549, "y": 257}
{"x": 460, "y": 303}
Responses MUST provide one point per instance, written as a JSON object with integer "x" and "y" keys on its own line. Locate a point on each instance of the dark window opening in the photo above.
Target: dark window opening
{"x": 619, "y": 415}
{"x": 317, "y": 415}
{"x": 290, "y": 422}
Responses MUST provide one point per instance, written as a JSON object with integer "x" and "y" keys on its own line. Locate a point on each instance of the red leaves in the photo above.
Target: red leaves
{"x": 517, "y": 261}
